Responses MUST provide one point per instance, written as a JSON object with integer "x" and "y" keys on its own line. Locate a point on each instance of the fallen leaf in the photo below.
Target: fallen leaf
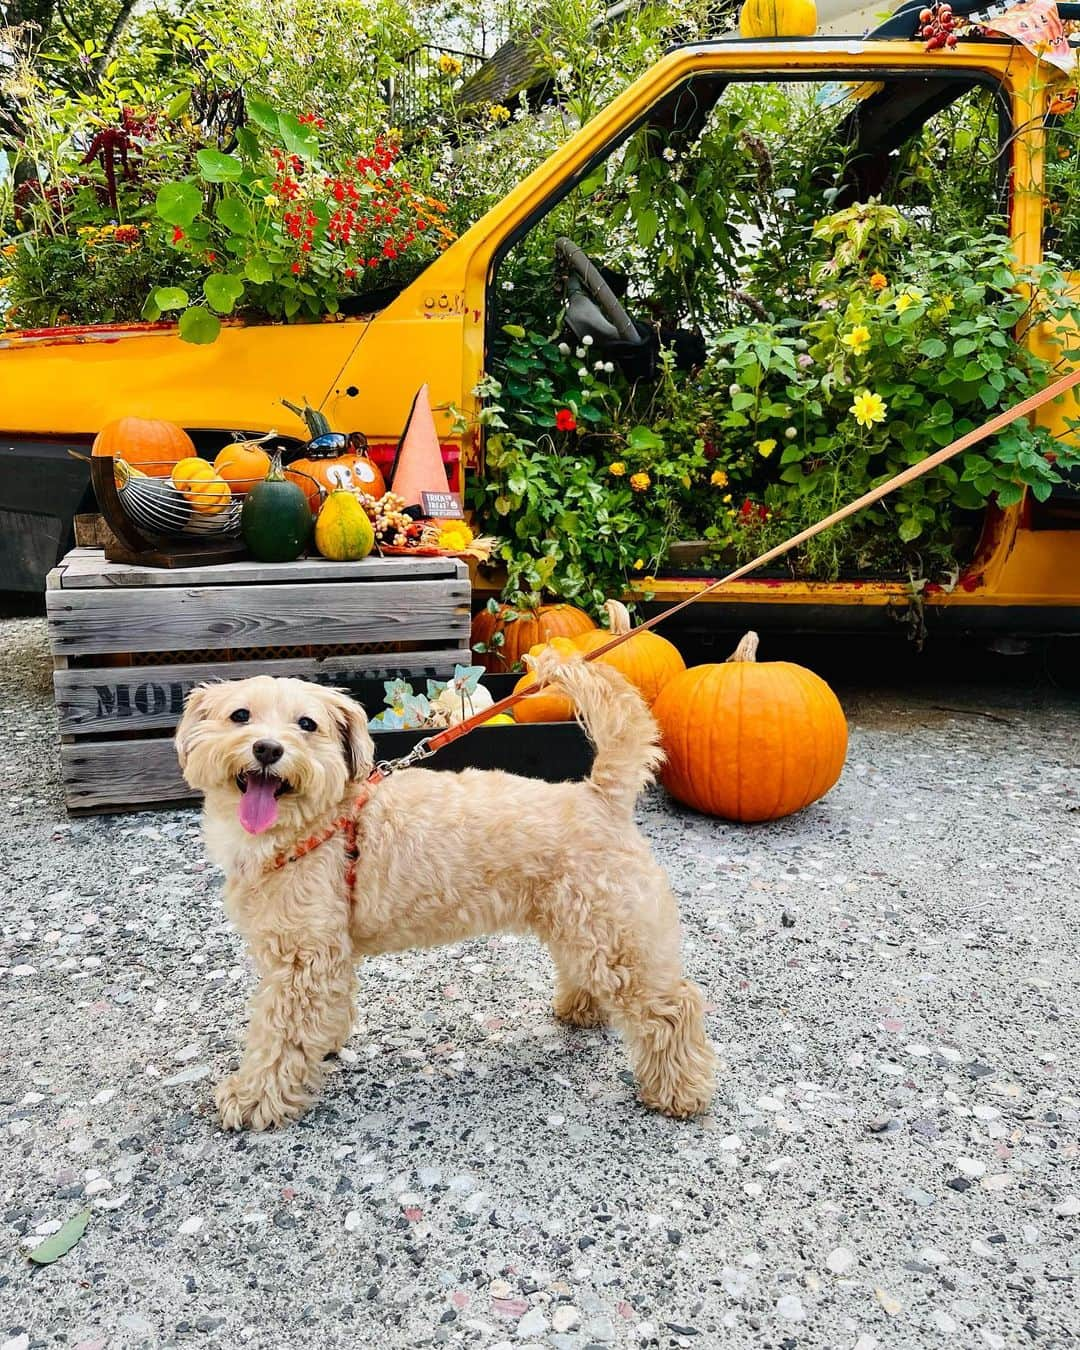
{"x": 45, "y": 1253}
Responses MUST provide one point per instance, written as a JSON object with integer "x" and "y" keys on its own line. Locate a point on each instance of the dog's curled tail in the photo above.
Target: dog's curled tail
{"x": 624, "y": 732}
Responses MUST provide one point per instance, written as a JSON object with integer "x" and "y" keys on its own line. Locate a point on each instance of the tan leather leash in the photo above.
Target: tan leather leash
{"x": 430, "y": 744}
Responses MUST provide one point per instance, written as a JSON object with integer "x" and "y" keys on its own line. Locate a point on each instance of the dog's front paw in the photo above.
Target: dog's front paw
{"x": 242, "y": 1102}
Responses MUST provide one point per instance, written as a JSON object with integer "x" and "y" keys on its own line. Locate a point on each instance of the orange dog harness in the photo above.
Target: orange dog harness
{"x": 347, "y": 826}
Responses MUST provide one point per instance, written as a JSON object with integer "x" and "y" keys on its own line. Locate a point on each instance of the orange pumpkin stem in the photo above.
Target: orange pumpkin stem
{"x": 747, "y": 649}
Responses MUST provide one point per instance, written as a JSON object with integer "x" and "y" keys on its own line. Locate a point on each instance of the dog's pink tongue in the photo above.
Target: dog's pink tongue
{"x": 258, "y": 805}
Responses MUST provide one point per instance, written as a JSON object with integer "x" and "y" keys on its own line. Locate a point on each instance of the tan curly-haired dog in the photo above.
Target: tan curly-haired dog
{"x": 441, "y": 857}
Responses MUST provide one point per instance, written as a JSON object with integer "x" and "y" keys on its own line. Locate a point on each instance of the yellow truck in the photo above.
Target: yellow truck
{"x": 58, "y": 386}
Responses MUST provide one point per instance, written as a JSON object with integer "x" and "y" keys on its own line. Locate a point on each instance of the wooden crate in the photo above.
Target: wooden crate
{"x": 130, "y": 642}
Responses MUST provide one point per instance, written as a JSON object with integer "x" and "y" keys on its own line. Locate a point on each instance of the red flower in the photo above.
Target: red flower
{"x": 211, "y": 257}
{"x": 565, "y": 420}
{"x": 177, "y": 235}
{"x": 747, "y": 508}
{"x": 297, "y": 269}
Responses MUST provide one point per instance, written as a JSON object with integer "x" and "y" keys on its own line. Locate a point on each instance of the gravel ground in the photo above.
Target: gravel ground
{"x": 892, "y": 1160}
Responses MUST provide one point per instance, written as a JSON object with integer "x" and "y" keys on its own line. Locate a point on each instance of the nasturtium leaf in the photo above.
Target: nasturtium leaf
{"x": 199, "y": 326}
{"x": 45, "y": 1253}
{"x": 258, "y": 270}
{"x": 222, "y": 291}
{"x": 262, "y": 114}
{"x": 299, "y": 139}
{"x": 178, "y": 203}
{"x": 217, "y": 167}
{"x": 234, "y": 215}
{"x": 171, "y": 297}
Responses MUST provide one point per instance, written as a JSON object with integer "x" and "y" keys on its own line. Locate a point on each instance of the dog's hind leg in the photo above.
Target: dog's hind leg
{"x": 301, "y": 1012}
{"x": 619, "y": 953}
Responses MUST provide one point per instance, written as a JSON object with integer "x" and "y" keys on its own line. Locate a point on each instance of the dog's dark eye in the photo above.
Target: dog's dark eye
{"x": 240, "y": 715}
{"x": 307, "y": 724}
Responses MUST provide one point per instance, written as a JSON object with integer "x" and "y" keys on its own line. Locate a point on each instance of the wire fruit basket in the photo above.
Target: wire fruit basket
{"x": 167, "y": 520}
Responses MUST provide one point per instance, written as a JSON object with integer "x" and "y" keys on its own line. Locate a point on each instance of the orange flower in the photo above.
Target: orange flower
{"x": 878, "y": 281}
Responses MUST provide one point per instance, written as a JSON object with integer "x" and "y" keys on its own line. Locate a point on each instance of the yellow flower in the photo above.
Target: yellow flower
{"x": 857, "y": 340}
{"x": 498, "y": 114}
{"x": 9, "y": 250}
{"x": 868, "y": 408}
{"x": 449, "y": 65}
{"x": 617, "y": 469}
{"x": 639, "y": 563}
{"x": 946, "y": 302}
{"x": 905, "y": 300}
{"x": 270, "y": 200}
{"x": 765, "y": 448}
{"x": 719, "y": 478}
{"x": 640, "y": 482}
{"x": 878, "y": 281}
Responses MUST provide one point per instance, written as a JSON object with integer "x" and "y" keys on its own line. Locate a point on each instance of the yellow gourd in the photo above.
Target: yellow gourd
{"x": 343, "y": 532}
{"x": 778, "y": 18}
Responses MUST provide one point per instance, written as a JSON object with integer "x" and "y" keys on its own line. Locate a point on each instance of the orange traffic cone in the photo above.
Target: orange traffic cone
{"x": 419, "y": 472}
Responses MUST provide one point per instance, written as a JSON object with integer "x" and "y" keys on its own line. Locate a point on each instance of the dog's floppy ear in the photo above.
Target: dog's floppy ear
{"x": 196, "y": 708}
{"x": 356, "y": 745}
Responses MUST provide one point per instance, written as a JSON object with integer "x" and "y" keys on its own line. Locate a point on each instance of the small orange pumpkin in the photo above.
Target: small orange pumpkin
{"x": 647, "y": 660}
{"x": 750, "y": 742}
{"x": 144, "y": 443}
{"x": 549, "y": 705}
{"x": 509, "y": 633}
{"x": 242, "y": 465}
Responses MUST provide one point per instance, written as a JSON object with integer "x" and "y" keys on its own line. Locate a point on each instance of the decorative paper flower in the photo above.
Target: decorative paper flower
{"x": 640, "y": 482}
{"x": 869, "y": 408}
{"x": 857, "y": 340}
{"x": 565, "y": 420}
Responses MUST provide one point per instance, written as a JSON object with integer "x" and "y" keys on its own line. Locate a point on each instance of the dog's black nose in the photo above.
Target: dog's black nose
{"x": 268, "y": 752}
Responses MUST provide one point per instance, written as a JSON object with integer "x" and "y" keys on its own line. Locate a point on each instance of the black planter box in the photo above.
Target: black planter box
{"x": 557, "y": 752}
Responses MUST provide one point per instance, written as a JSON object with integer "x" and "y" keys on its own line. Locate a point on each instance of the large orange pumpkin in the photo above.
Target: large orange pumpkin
{"x": 550, "y": 704}
{"x": 149, "y": 445}
{"x": 747, "y": 741}
{"x": 509, "y": 633}
{"x": 647, "y": 660}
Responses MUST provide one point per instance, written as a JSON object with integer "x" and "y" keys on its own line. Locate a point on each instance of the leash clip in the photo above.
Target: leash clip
{"x": 421, "y": 750}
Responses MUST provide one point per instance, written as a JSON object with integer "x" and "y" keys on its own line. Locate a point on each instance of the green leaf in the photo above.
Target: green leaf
{"x": 513, "y": 330}
{"x": 299, "y": 140}
{"x": 648, "y": 222}
{"x": 45, "y": 1253}
{"x": 258, "y": 270}
{"x": 222, "y": 290}
{"x": 909, "y": 529}
{"x": 217, "y": 167}
{"x": 263, "y": 115}
{"x": 171, "y": 297}
{"x": 178, "y": 203}
{"x": 150, "y": 311}
{"x": 234, "y": 215}
{"x": 932, "y": 347}
{"x": 199, "y": 326}
{"x": 643, "y": 438}
{"x": 1009, "y": 494}
{"x": 178, "y": 105}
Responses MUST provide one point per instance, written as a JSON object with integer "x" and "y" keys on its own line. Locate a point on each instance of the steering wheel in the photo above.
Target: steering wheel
{"x": 592, "y": 287}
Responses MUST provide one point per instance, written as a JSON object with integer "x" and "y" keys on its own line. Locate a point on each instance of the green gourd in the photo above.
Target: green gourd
{"x": 275, "y": 520}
